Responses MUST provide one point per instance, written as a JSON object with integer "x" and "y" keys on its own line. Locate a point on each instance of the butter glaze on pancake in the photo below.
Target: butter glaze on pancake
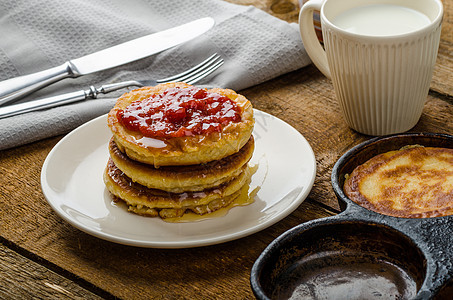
{"x": 178, "y": 179}
{"x": 151, "y": 202}
{"x": 187, "y": 150}
{"x": 415, "y": 182}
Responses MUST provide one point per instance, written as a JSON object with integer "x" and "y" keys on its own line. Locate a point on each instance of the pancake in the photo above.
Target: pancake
{"x": 153, "y": 202}
{"x": 166, "y": 213}
{"x": 413, "y": 182}
{"x": 178, "y": 179}
{"x": 189, "y": 149}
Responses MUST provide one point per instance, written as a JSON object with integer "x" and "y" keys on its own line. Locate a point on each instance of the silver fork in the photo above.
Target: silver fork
{"x": 190, "y": 76}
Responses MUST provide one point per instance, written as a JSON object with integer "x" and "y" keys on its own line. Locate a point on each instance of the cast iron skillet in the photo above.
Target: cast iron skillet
{"x": 361, "y": 254}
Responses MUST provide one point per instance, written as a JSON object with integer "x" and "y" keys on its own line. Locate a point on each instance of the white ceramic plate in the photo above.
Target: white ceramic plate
{"x": 72, "y": 182}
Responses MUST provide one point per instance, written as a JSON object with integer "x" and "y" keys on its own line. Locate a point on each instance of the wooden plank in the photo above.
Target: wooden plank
{"x": 443, "y": 71}
{"x": 220, "y": 271}
{"x": 21, "y": 278}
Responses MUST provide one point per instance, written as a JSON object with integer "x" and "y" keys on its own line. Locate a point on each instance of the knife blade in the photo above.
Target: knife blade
{"x": 18, "y": 87}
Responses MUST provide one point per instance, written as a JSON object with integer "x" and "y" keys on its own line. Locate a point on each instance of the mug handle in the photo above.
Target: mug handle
{"x": 309, "y": 38}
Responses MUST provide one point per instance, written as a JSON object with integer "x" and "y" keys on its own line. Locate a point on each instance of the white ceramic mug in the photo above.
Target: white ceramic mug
{"x": 381, "y": 71}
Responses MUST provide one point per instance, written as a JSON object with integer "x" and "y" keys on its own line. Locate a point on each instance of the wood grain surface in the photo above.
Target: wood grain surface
{"x": 22, "y": 278}
{"x": 43, "y": 256}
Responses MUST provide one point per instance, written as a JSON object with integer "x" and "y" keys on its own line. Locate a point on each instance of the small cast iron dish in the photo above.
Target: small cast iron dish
{"x": 361, "y": 254}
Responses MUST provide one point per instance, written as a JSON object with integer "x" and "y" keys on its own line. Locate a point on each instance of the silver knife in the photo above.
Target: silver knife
{"x": 18, "y": 87}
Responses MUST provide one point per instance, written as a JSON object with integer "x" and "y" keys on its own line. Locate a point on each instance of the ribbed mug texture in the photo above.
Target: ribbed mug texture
{"x": 381, "y": 85}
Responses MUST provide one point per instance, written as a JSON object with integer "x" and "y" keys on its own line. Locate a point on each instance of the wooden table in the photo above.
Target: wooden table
{"x": 43, "y": 256}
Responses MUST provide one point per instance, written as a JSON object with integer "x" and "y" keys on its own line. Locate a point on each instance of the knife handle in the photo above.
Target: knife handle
{"x": 15, "y": 88}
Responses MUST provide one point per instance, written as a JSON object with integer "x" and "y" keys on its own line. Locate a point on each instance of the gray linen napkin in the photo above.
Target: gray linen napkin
{"x": 39, "y": 34}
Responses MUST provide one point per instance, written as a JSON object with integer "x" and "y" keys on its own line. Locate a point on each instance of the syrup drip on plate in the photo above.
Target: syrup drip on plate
{"x": 245, "y": 197}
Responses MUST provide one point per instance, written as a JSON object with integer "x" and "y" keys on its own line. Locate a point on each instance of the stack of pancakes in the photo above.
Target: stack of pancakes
{"x": 169, "y": 176}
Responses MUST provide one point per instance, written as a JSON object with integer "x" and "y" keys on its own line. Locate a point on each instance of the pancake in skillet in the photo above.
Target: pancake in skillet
{"x": 414, "y": 182}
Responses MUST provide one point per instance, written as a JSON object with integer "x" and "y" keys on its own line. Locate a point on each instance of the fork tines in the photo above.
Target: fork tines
{"x": 198, "y": 72}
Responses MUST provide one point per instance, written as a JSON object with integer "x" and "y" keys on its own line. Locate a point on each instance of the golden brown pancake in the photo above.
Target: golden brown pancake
{"x": 153, "y": 202}
{"x": 414, "y": 182}
{"x": 178, "y": 179}
{"x": 186, "y": 150}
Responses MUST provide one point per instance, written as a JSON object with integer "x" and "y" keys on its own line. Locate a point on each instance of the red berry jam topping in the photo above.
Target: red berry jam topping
{"x": 180, "y": 112}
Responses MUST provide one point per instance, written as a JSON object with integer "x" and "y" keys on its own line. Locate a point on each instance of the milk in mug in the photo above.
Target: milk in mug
{"x": 381, "y": 20}
{"x": 380, "y": 55}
